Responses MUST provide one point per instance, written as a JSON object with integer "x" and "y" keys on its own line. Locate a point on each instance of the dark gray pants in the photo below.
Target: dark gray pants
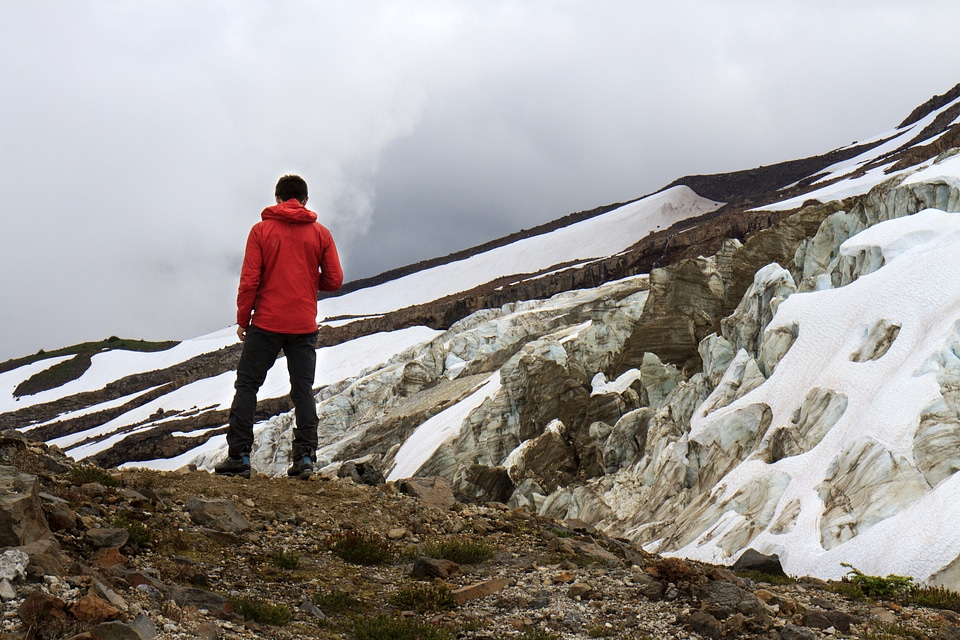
{"x": 260, "y": 351}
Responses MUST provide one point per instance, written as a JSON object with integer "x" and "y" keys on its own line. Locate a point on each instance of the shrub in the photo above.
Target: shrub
{"x": 391, "y": 628}
{"x": 138, "y": 534}
{"x": 460, "y": 550}
{"x": 335, "y": 601}
{"x": 360, "y": 548}
{"x": 535, "y": 633}
{"x": 933, "y": 598}
{"x": 875, "y": 586}
{"x": 848, "y": 590}
{"x": 424, "y": 598}
{"x": 769, "y": 578}
{"x": 90, "y": 473}
{"x": 888, "y": 631}
{"x": 276, "y": 615}
{"x": 284, "y": 560}
{"x": 601, "y": 630}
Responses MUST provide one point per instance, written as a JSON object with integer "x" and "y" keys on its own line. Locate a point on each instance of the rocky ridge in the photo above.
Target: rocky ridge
{"x": 745, "y": 192}
{"x": 626, "y": 396}
{"x": 145, "y": 555}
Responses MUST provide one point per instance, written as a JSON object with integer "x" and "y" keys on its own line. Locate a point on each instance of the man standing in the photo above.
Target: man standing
{"x": 289, "y": 258}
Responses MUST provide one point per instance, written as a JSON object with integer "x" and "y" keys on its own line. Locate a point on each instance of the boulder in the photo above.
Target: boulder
{"x": 220, "y": 515}
{"x": 433, "y": 492}
{"x": 21, "y": 510}
{"x": 107, "y": 538}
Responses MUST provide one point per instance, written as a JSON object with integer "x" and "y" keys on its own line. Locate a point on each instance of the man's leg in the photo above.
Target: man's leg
{"x": 301, "y": 353}
{"x": 260, "y": 350}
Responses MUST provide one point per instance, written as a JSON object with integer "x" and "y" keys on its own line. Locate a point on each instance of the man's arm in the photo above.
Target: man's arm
{"x": 249, "y": 282}
{"x": 331, "y": 273}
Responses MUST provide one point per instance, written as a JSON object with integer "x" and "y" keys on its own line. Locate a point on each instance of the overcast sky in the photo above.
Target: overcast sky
{"x": 139, "y": 140}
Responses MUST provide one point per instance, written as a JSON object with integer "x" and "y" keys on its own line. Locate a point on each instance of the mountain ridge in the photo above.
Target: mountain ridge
{"x": 590, "y": 380}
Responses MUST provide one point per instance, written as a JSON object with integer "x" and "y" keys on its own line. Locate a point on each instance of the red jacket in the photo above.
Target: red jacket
{"x": 289, "y": 259}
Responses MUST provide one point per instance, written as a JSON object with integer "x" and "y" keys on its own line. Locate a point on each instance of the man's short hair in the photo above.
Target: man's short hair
{"x": 291, "y": 186}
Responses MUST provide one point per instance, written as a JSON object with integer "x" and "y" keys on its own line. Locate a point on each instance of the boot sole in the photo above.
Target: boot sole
{"x": 232, "y": 474}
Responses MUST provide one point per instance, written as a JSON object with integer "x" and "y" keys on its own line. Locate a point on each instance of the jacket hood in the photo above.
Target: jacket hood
{"x": 289, "y": 211}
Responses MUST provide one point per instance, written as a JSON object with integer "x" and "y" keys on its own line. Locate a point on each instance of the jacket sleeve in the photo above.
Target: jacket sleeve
{"x": 331, "y": 274}
{"x": 249, "y": 278}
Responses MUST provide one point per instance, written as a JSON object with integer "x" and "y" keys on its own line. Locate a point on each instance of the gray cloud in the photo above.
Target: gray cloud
{"x": 139, "y": 141}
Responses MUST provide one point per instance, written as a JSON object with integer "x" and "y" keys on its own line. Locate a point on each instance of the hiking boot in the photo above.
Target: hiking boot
{"x": 302, "y": 468}
{"x": 234, "y": 467}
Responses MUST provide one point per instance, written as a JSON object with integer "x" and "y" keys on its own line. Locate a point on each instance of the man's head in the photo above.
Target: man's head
{"x": 291, "y": 186}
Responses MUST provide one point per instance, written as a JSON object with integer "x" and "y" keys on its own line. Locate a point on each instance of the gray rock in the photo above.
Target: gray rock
{"x": 361, "y": 473}
{"x": 199, "y": 598}
{"x": 650, "y": 587}
{"x": 817, "y": 618}
{"x": 312, "y": 609}
{"x": 705, "y": 624}
{"x": 7, "y": 590}
{"x": 431, "y": 492}
{"x": 793, "y": 632}
{"x": 722, "y": 599}
{"x": 103, "y": 591}
{"x": 144, "y": 627}
{"x": 114, "y": 631}
{"x": 217, "y": 514}
{"x": 107, "y": 538}
{"x": 46, "y": 558}
{"x": 21, "y": 511}
{"x": 207, "y": 631}
{"x": 753, "y": 560}
{"x": 427, "y": 568}
{"x": 13, "y": 564}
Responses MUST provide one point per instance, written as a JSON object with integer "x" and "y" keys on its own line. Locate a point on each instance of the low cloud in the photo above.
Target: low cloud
{"x": 141, "y": 140}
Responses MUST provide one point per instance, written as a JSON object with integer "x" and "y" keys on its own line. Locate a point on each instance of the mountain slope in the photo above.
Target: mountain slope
{"x": 764, "y": 359}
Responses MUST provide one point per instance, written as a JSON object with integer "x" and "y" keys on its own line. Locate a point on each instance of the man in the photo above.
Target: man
{"x": 289, "y": 258}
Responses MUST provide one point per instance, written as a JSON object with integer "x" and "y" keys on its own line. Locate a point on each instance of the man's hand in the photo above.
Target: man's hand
{"x": 241, "y": 333}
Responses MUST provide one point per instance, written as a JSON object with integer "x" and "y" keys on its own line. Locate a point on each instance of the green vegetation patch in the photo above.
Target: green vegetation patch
{"x": 424, "y": 598}
{"x": 461, "y": 550}
{"x": 71, "y": 369}
{"x": 885, "y": 631}
{"x": 360, "y": 548}
{"x": 89, "y": 473}
{"x": 138, "y": 533}
{"x": 284, "y": 560}
{"x": 385, "y": 627}
{"x": 933, "y": 598}
{"x": 335, "y": 602}
{"x": 875, "y": 586}
{"x": 536, "y": 633}
{"x": 770, "y": 578}
{"x": 275, "y": 615}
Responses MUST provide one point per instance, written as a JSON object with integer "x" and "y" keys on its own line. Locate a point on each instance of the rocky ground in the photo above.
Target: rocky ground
{"x": 139, "y": 555}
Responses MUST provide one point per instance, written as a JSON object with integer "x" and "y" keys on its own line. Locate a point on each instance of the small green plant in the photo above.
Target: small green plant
{"x": 848, "y": 590}
{"x": 461, "y": 550}
{"x": 385, "y": 627}
{"x": 90, "y": 473}
{"x": 336, "y": 601}
{"x": 536, "y": 633}
{"x": 284, "y": 560}
{"x": 769, "y": 578}
{"x": 892, "y": 631}
{"x": 601, "y": 630}
{"x": 933, "y": 598}
{"x": 138, "y": 533}
{"x": 424, "y": 598}
{"x": 360, "y": 548}
{"x": 875, "y": 586}
{"x": 275, "y": 615}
